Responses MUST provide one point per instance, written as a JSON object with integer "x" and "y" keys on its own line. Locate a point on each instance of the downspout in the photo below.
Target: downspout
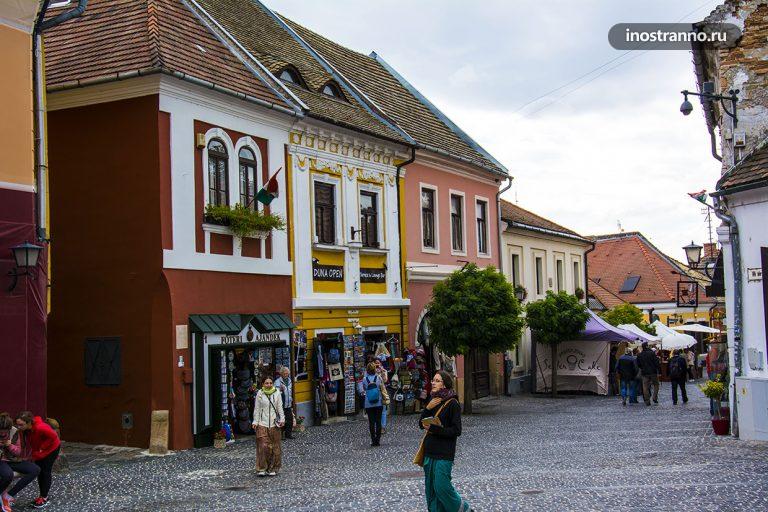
{"x": 41, "y": 168}
{"x": 400, "y": 240}
{"x": 721, "y": 211}
{"x": 498, "y": 220}
{"x": 586, "y": 275}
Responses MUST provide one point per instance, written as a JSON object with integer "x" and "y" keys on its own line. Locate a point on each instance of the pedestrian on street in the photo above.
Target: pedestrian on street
{"x": 678, "y": 369}
{"x": 13, "y": 457}
{"x": 626, "y": 368}
{"x": 371, "y": 387}
{"x": 612, "y": 391}
{"x": 638, "y": 382}
{"x": 650, "y": 368}
{"x": 284, "y": 384}
{"x": 690, "y": 357}
{"x": 268, "y": 419}
{"x": 382, "y": 373}
{"x": 44, "y": 446}
{"x": 442, "y": 419}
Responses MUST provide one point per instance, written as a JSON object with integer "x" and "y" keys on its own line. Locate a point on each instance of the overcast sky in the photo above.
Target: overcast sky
{"x": 603, "y": 150}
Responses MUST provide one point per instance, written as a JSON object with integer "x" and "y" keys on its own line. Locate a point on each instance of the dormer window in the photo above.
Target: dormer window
{"x": 332, "y": 90}
{"x": 290, "y": 75}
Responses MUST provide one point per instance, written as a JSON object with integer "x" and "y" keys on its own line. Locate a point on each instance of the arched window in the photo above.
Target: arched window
{"x": 218, "y": 174}
{"x": 247, "y": 177}
{"x": 290, "y": 75}
{"x": 331, "y": 89}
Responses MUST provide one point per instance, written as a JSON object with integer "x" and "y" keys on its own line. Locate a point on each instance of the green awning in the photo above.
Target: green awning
{"x": 233, "y": 324}
{"x": 272, "y": 322}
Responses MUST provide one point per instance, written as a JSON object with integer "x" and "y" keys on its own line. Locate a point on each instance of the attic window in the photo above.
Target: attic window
{"x": 630, "y": 283}
{"x": 291, "y": 76}
{"x": 331, "y": 89}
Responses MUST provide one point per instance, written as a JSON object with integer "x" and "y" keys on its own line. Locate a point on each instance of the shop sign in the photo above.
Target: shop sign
{"x": 327, "y": 272}
{"x": 248, "y": 335}
{"x": 373, "y": 275}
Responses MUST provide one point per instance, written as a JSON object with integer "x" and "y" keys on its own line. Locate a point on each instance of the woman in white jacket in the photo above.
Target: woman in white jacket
{"x": 268, "y": 419}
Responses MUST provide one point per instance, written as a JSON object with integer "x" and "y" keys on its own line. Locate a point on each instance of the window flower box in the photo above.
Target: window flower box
{"x": 244, "y": 222}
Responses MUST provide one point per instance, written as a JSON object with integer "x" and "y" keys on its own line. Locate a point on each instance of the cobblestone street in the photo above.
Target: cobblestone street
{"x": 520, "y": 453}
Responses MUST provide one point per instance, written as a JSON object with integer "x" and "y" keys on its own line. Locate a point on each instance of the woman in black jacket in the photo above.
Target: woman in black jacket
{"x": 442, "y": 419}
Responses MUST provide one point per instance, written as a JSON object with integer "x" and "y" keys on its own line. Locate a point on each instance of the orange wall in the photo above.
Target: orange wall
{"x": 16, "y": 141}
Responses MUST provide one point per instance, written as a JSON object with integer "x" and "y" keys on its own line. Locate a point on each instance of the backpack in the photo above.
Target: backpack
{"x": 675, "y": 369}
{"x": 372, "y": 393}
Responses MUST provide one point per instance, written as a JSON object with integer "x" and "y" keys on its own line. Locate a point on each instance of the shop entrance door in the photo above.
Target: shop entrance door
{"x": 481, "y": 375}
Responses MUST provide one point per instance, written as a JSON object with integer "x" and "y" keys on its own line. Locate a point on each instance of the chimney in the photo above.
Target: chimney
{"x": 710, "y": 251}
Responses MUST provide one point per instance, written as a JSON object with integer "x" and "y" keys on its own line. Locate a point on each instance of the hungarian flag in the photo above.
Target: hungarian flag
{"x": 699, "y": 196}
{"x": 270, "y": 190}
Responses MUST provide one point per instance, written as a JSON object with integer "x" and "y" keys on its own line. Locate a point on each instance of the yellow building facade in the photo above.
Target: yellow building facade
{"x": 347, "y": 253}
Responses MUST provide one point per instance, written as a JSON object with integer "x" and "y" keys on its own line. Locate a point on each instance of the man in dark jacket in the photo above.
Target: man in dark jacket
{"x": 678, "y": 368}
{"x": 627, "y": 368}
{"x": 650, "y": 368}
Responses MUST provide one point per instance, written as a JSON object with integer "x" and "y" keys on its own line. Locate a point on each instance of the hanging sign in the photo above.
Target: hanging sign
{"x": 687, "y": 294}
{"x": 373, "y": 275}
{"x": 327, "y": 272}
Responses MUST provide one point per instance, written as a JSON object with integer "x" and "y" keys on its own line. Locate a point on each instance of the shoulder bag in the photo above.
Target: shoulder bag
{"x": 418, "y": 459}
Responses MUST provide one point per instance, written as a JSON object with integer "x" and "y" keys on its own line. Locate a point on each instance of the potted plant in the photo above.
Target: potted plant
{"x": 300, "y": 424}
{"x": 520, "y": 293}
{"x": 579, "y": 293}
{"x": 220, "y": 439}
{"x": 714, "y": 390}
{"x": 243, "y": 221}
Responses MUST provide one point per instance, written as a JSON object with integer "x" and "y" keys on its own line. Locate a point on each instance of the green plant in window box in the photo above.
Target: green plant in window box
{"x": 715, "y": 390}
{"x": 242, "y": 221}
{"x": 579, "y": 293}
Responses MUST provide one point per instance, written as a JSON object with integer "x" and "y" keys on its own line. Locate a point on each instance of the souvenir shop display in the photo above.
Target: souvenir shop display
{"x": 410, "y": 382}
{"x": 350, "y": 371}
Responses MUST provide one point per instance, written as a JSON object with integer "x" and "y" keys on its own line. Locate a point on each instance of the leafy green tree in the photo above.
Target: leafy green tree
{"x": 471, "y": 311}
{"x": 556, "y": 318}
{"x": 627, "y": 314}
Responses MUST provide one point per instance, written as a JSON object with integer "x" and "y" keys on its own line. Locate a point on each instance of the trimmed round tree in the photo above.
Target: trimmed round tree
{"x": 474, "y": 310}
{"x": 556, "y": 318}
{"x": 627, "y": 314}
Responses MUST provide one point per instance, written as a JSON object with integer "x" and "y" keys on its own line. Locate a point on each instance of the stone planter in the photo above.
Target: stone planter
{"x": 219, "y": 443}
{"x": 260, "y": 235}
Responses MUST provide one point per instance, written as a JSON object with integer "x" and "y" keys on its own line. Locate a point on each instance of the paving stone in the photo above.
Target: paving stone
{"x": 519, "y": 453}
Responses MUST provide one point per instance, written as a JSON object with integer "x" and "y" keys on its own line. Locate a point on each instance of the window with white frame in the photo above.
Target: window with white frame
{"x": 457, "y": 223}
{"x": 369, "y": 218}
{"x": 325, "y": 212}
{"x": 218, "y": 173}
{"x": 560, "y": 274}
{"x": 248, "y": 166}
{"x": 576, "y": 275}
{"x": 428, "y": 219}
{"x": 481, "y": 218}
{"x": 539, "y": 269}
{"x": 514, "y": 260}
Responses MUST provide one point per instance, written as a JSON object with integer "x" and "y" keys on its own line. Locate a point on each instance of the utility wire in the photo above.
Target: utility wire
{"x": 596, "y": 69}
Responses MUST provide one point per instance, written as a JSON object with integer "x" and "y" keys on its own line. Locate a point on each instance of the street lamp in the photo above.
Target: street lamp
{"x": 26, "y": 256}
{"x": 693, "y": 254}
{"x": 708, "y": 93}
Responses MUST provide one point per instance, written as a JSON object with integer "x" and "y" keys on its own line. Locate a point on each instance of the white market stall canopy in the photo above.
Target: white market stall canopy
{"x": 696, "y": 328}
{"x": 644, "y": 336}
{"x": 671, "y": 339}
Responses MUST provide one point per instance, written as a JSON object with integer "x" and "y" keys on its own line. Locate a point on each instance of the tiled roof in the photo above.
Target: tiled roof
{"x": 260, "y": 32}
{"x": 119, "y": 37}
{"x": 752, "y": 168}
{"x": 522, "y": 218}
{"x": 606, "y": 298}
{"x": 399, "y": 100}
{"x": 621, "y": 255}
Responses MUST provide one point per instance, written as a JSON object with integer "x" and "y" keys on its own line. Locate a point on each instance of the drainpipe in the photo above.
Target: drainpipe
{"x": 400, "y": 237}
{"x": 41, "y": 168}
{"x": 586, "y": 274}
{"x": 498, "y": 219}
{"x": 721, "y": 211}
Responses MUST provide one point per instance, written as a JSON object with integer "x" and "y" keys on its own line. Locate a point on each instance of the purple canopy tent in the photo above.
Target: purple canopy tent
{"x": 582, "y": 363}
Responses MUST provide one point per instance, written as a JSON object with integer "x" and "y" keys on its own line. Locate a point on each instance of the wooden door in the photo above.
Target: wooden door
{"x": 481, "y": 375}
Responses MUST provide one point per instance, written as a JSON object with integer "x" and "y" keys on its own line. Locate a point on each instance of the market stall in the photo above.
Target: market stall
{"x": 672, "y": 339}
{"x": 582, "y": 364}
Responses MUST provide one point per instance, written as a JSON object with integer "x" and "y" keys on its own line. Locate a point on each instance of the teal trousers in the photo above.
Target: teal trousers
{"x": 441, "y": 496}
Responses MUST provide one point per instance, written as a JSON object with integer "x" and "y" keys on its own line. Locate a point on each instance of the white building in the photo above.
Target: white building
{"x": 539, "y": 256}
{"x": 741, "y": 199}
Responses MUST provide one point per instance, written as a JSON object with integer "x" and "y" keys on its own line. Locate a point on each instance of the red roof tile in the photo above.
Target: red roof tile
{"x": 619, "y": 256}
{"x": 606, "y": 298}
{"x": 516, "y": 215}
{"x": 122, "y": 36}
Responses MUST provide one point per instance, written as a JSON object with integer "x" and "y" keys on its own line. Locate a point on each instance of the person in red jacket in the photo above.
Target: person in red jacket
{"x": 44, "y": 444}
